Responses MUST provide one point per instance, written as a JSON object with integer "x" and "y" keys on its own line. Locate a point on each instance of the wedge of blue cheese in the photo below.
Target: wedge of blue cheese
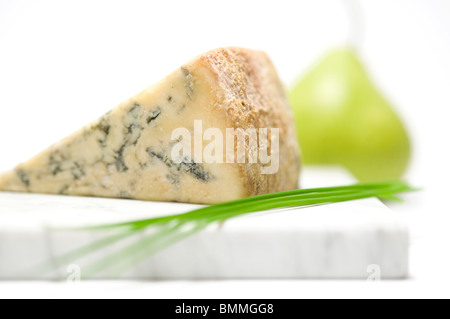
{"x": 127, "y": 152}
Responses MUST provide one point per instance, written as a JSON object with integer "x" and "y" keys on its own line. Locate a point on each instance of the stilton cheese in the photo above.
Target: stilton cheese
{"x": 127, "y": 152}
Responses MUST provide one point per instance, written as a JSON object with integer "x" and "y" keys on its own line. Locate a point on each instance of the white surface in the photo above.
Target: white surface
{"x": 75, "y": 60}
{"x": 340, "y": 240}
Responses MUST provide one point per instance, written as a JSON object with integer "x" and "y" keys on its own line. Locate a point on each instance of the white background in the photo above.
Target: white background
{"x": 64, "y": 63}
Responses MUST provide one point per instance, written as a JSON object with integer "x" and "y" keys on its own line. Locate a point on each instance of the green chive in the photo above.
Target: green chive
{"x": 168, "y": 230}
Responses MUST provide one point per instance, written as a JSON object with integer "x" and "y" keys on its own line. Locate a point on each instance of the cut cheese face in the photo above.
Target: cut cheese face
{"x": 127, "y": 153}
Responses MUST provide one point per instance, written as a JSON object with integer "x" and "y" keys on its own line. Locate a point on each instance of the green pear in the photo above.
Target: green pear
{"x": 342, "y": 119}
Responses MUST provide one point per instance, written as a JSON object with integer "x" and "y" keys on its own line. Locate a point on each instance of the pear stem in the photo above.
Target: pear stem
{"x": 356, "y": 23}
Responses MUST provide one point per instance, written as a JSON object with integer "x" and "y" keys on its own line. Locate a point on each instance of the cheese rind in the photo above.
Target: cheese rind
{"x": 127, "y": 152}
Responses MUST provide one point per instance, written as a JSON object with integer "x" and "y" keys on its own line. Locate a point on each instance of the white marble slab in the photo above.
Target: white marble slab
{"x": 345, "y": 240}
